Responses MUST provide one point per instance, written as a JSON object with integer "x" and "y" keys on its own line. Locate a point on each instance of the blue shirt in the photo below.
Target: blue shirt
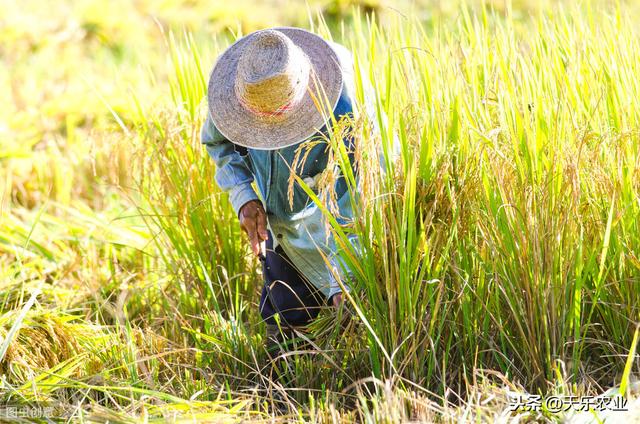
{"x": 299, "y": 228}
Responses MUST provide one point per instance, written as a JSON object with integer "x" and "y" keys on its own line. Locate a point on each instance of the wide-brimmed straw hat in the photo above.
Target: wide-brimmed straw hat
{"x": 274, "y": 88}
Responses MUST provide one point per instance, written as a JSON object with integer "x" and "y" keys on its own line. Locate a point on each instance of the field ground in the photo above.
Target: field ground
{"x": 500, "y": 254}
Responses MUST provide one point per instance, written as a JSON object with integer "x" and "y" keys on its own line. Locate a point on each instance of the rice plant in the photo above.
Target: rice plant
{"x": 495, "y": 191}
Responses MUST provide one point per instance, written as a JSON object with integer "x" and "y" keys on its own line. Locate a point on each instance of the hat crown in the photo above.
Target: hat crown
{"x": 272, "y": 74}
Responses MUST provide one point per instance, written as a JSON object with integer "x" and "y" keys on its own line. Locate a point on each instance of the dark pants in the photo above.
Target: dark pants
{"x": 286, "y": 291}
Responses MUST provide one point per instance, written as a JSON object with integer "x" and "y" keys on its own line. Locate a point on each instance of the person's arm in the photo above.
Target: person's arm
{"x": 232, "y": 173}
{"x": 234, "y": 177}
{"x": 339, "y": 270}
{"x": 378, "y": 121}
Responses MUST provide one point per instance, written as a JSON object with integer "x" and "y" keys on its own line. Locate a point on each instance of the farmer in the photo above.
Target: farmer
{"x": 265, "y": 105}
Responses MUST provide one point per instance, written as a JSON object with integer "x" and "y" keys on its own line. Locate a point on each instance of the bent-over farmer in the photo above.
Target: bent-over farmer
{"x": 261, "y": 108}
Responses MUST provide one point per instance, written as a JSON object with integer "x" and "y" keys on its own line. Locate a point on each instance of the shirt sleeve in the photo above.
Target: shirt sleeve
{"x": 232, "y": 173}
{"x": 379, "y": 122}
{"x": 339, "y": 270}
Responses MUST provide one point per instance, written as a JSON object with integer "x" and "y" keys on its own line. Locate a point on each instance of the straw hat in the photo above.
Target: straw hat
{"x": 273, "y": 88}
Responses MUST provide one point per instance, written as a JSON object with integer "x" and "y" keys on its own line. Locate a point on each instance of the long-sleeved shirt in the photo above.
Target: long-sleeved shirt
{"x": 298, "y": 227}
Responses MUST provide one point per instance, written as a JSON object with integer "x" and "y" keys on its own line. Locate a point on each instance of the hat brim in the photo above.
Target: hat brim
{"x": 306, "y": 118}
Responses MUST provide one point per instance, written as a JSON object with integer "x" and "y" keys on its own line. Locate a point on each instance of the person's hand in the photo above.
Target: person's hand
{"x": 253, "y": 220}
